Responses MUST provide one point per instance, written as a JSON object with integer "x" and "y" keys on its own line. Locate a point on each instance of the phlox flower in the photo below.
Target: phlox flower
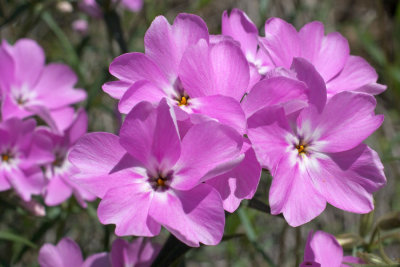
{"x": 323, "y": 250}
{"x": 139, "y": 253}
{"x": 202, "y": 79}
{"x": 67, "y": 253}
{"x": 316, "y": 155}
{"x": 239, "y": 26}
{"x": 59, "y": 187}
{"x": 330, "y": 55}
{"x": 92, "y": 8}
{"x": 150, "y": 176}
{"x": 29, "y": 87}
{"x": 80, "y": 26}
{"x": 22, "y": 150}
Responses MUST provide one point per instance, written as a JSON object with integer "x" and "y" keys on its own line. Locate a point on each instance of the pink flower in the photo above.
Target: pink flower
{"x": 29, "y": 87}
{"x": 133, "y": 5}
{"x": 323, "y": 250}
{"x": 93, "y": 9}
{"x": 240, "y": 27}
{"x": 80, "y": 26}
{"x": 67, "y": 253}
{"x": 58, "y": 172}
{"x": 316, "y": 155}
{"x": 22, "y": 150}
{"x": 330, "y": 55}
{"x": 140, "y": 252}
{"x": 203, "y": 80}
{"x": 150, "y": 177}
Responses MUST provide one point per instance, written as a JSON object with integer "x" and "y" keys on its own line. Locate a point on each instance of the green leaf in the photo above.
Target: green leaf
{"x": 16, "y": 238}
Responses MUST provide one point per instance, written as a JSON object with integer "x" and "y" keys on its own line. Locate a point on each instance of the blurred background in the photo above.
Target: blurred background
{"x": 88, "y": 43}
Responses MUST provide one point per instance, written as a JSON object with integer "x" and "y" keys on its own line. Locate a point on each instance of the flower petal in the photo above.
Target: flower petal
{"x": 230, "y": 69}
{"x": 66, "y": 253}
{"x": 95, "y": 155}
{"x": 128, "y": 208}
{"x": 133, "y": 5}
{"x": 98, "y": 260}
{"x": 222, "y": 108}
{"x": 28, "y": 59}
{"x": 62, "y": 118}
{"x": 56, "y": 191}
{"x": 355, "y": 74}
{"x": 165, "y": 44}
{"x": 346, "y": 121}
{"x": 50, "y": 257}
{"x": 292, "y": 193}
{"x": 348, "y": 179}
{"x": 240, "y": 27}
{"x": 6, "y": 69}
{"x": 150, "y": 133}
{"x": 311, "y": 36}
{"x": 323, "y": 248}
{"x": 116, "y": 89}
{"x": 240, "y": 183}
{"x": 194, "y": 216}
{"x": 333, "y": 55}
{"x": 195, "y": 71}
{"x": 273, "y": 91}
{"x": 207, "y": 147}
{"x": 140, "y": 91}
{"x": 316, "y": 86}
{"x": 281, "y": 42}
{"x": 78, "y": 127}
{"x": 26, "y": 183}
{"x": 133, "y": 67}
{"x": 267, "y": 131}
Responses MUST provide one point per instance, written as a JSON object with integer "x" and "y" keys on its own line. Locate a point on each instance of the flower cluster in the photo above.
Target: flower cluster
{"x": 33, "y": 152}
{"x": 141, "y": 252}
{"x": 205, "y": 114}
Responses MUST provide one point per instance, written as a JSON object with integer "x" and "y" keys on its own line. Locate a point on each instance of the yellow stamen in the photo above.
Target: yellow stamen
{"x": 160, "y": 182}
{"x": 5, "y": 157}
{"x": 183, "y": 101}
{"x": 301, "y": 149}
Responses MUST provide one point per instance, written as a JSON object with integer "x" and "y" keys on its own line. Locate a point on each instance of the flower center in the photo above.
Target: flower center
{"x": 301, "y": 148}
{"x": 160, "y": 182}
{"x": 183, "y": 101}
{"x": 58, "y": 162}
{"x": 21, "y": 101}
{"x": 5, "y": 157}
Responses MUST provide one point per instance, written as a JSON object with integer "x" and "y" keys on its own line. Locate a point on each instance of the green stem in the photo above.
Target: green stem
{"x": 72, "y": 57}
{"x": 252, "y": 237}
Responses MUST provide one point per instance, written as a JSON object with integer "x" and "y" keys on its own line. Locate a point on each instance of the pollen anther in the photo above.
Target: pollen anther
{"x": 301, "y": 149}
{"x": 5, "y": 157}
{"x": 183, "y": 101}
{"x": 160, "y": 182}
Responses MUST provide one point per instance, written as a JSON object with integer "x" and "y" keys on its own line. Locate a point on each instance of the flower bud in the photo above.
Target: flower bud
{"x": 370, "y": 258}
{"x": 389, "y": 221}
{"x": 349, "y": 240}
